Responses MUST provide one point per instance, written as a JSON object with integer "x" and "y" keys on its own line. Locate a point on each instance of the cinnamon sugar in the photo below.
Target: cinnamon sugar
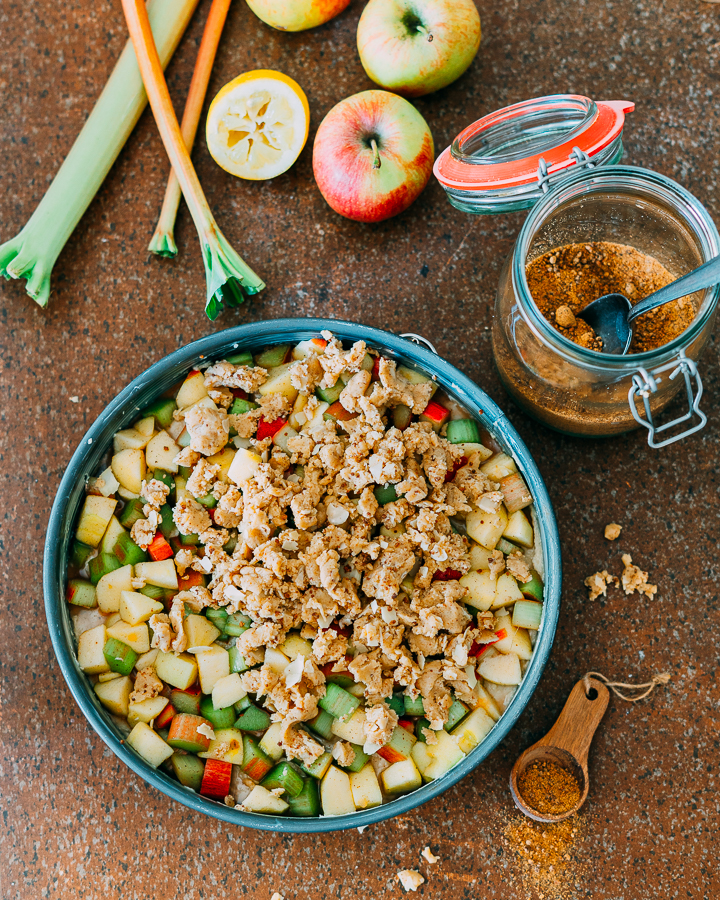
{"x": 548, "y": 856}
{"x": 549, "y": 788}
{"x": 565, "y": 280}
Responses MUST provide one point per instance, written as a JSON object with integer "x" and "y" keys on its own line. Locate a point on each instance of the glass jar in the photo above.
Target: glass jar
{"x": 557, "y": 156}
{"x": 579, "y": 391}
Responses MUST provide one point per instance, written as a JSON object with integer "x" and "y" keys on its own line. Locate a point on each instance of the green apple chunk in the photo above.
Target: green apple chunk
{"x": 148, "y": 744}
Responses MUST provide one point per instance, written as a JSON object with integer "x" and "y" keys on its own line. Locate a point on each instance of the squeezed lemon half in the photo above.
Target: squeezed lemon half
{"x": 258, "y": 124}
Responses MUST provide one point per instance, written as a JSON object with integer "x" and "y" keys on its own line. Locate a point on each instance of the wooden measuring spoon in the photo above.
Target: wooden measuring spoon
{"x": 567, "y": 744}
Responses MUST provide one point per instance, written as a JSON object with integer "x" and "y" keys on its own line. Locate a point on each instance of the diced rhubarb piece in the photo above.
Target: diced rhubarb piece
{"x": 189, "y": 770}
{"x": 269, "y": 429}
{"x": 159, "y": 548}
{"x": 273, "y": 356}
{"x": 376, "y": 367}
{"x": 436, "y": 414}
{"x": 455, "y": 468}
{"x": 447, "y": 575}
{"x": 184, "y": 734}
{"x": 165, "y": 717}
{"x": 407, "y": 724}
{"x": 216, "y": 779}
{"x": 399, "y": 746}
{"x": 191, "y": 579}
{"x": 338, "y": 412}
{"x": 186, "y": 701}
{"x": 81, "y": 593}
{"x": 256, "y": 763}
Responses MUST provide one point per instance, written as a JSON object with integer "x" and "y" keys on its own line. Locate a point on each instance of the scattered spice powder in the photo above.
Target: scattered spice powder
{"x": 563, "y": 281}
{"x": 548, "y": 856}
{"x": 549, "y": 788}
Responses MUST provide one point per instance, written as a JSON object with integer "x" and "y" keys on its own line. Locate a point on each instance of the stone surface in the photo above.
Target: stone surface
{"x": 77, "y": 823}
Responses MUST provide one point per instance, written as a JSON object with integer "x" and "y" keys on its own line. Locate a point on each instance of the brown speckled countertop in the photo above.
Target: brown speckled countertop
{"x": 75, "y": 822}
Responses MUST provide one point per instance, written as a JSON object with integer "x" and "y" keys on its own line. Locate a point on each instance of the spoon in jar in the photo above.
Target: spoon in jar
{"x": 613, "y": 317}
{"x": 567, "y": 744}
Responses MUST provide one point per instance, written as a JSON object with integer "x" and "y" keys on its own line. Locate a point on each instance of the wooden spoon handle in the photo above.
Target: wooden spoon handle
{"x": 578, "y": 720}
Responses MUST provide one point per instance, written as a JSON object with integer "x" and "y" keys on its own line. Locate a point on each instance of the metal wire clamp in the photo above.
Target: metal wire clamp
{"x": 645, "y": 383}
{"x": 582, "y": 161}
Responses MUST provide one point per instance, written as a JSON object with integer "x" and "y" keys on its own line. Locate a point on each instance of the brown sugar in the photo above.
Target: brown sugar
{"x": 548, "y": 856}
{"x": 548, "y": 788}
{"x": 565, "y": 280}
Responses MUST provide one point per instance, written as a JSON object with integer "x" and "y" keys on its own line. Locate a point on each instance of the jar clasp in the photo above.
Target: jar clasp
{"x": 645, "y": 383}
{"x": 580, "y": 158}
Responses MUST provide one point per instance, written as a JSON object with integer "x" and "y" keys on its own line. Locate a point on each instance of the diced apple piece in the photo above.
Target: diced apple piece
{"x": 270, "y": 742}
{"x": 112, "y": 533}
{"x": 479, "y": 558}
{"x": 486, "y": 527}
{"x": 335, "y": 793}
{"x": 401, "y": 777}
{"x": 125, "y": 494}
{"x": 227, "y": 745}
{"x": 161, "y": 573}
{"x": 179, "y": 671}
{"x": 433, "y": 760}
{"x": 476, "y": 453}
{"x": 149, "y": 744}
{"x": 111, "y": 586}
{"x": 486, "y": 702}
{"x": 506, "y": 591}
{"x": 516, "y": 640}
{"x": 353, "y": 730}
{"x": 365, "y": 788}
{"x": 109, "y": 483}
{"x": 472, "y": 730}
{"x": 276, "y": 660}
{"x": 135, "y": 636}
{"x": 501, "y": 669}
{"x": 519, "y": 530}
{"x": 129, "y": 439}
{"x": 305, "y": 349}
{"x": 108, "y": 676}
{"x": 161, "y": 451}
{"x": 129, "y": 468}
{"x": 90, "y": 650}
{"x": 115, "y": 694}
{"x": 200, "y": 632}
{"x": 146, "y": 710}
{"x": 228, "y": 691}
{"x": 294, "y": 646}
{"x": 213, "y": 664}
{"x": 224, "y": 460}
{"x": 147, "y": 659}
{"x": 480, "y": 589}
{"x": 498, "y": 467}
{"x": 261, "y": 800}
{"x": 191, "y": 390}
{"x": 136, "y": 608}
{"x": 502, "y": 694}
{"x": 146, "y": 426}
{"x": 244, "y": 466}
{"x": 280, "y": 382}
{"x": 94, "y": 519}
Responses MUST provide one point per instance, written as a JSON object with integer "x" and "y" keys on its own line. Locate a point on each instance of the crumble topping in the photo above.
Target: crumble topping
{"x": 410, "y": 879}
{"x": 598, "y": 583}
{"x": 430, "y": 856}
{"x": 612, "y": 531}
{"x": 634, "y": 579}
{"x": 147, "y": 685}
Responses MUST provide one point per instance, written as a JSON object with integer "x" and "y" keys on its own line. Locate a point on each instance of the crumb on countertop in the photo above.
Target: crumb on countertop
{"x": 277, "y": 896}
{"x": 598, "y": 583}
{"x": 410, "y": 879}
{"x": 634, "y": 579}
{"x": 612, "y": 531}
{"x": 429, "y": 856}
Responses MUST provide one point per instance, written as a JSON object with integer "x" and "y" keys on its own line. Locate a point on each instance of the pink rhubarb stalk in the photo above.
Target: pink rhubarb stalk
{"x": 228, "y": 277}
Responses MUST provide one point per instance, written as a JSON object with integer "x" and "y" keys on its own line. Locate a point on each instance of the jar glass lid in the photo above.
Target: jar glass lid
{"x": 507, "y": 160}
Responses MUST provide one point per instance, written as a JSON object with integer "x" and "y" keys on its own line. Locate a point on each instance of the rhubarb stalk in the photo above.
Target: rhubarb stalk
{"x": 33, "y": 252}
{"x": 163, "y": 241}
{"x": 228, "y": 277}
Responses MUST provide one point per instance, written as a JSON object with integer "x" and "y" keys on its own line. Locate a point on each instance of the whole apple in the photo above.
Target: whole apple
{"x": 373, "y": 155}
{"x": 296, "y": 15}
{"x": 415, "y": 47}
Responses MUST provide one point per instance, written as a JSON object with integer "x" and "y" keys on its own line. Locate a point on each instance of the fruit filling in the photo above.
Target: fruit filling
{"x": 307, "y": 581}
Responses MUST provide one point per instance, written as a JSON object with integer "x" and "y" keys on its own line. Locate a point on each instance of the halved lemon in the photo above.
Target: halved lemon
{"x": 258, "y": 124}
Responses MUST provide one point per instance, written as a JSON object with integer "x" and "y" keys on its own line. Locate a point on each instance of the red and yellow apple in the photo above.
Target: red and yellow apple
{"x": 296, "y": 15}
{"x": 414, "y": 47}
{"x": 373, "y": 155}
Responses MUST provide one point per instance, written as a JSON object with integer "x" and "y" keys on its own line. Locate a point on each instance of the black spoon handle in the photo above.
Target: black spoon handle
{"x": 706, "y": 276}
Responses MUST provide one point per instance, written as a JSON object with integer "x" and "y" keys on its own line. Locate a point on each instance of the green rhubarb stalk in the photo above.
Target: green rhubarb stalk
{"x": 33, "y": 252}
{"x": 228, "y": 277}
{"x": 163, "y": 241}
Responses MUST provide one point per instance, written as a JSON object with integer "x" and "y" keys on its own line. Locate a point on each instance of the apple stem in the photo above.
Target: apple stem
{"x": 376, "y": 153}
{"x": 423, "y": 30}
